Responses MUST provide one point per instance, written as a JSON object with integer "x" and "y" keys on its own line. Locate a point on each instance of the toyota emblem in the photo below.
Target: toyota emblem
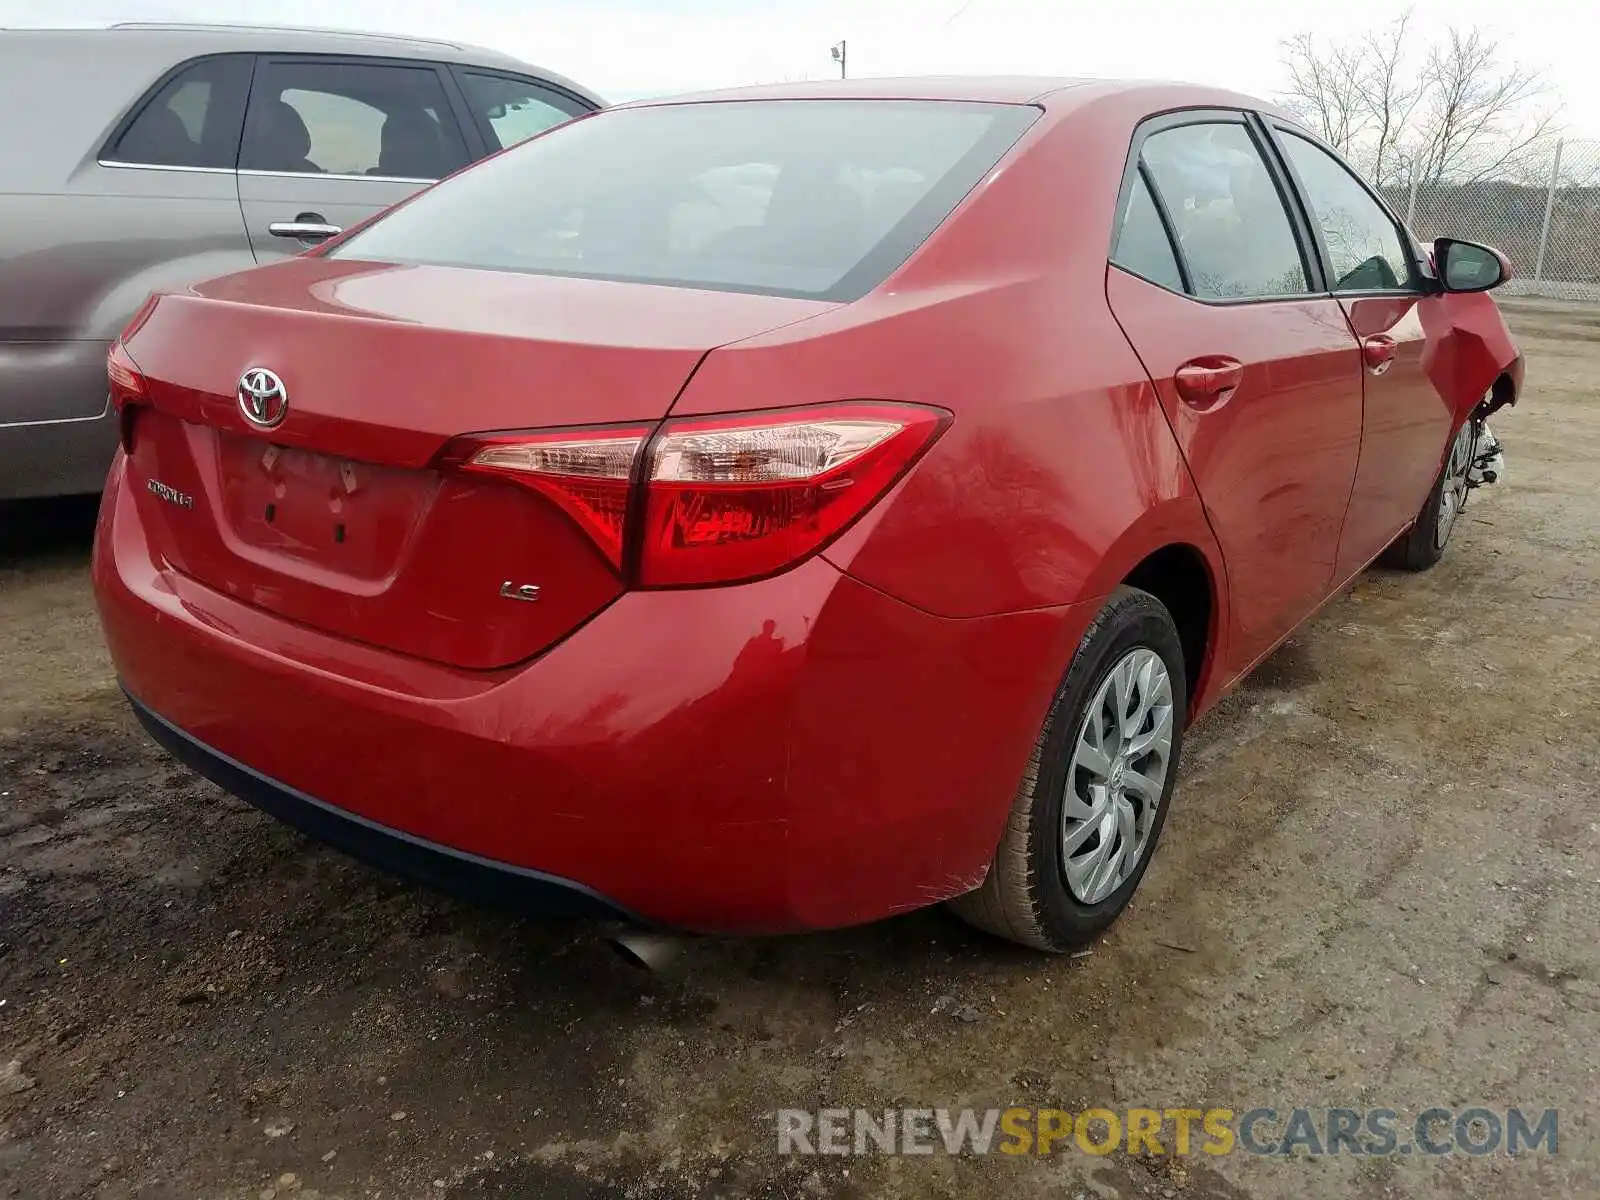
{"x": 262, "y": 398}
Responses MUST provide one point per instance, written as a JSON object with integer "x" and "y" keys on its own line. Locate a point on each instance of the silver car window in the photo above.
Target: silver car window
{"x": 343, "y": 118}
{"x": 191, "y": 120}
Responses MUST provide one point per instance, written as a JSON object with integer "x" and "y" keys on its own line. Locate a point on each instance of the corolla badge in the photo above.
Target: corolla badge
{"x": 170, "y": 494}
{"x": 262, "y": 398}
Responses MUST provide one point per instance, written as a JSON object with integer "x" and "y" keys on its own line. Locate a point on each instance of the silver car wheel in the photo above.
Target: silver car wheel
{"x": 1117, "y": 776}
{"x": 1453, "y": 489}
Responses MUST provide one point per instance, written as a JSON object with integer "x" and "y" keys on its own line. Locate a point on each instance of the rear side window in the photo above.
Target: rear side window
{"x": 817, "y": 198}
{"x": 511, "y": 110}
{"x": 1365, "y": 252}
{"x": 1142, "y": 243}
{"x": 192, "y": 120}
{"x": 1226, "y": 212}
{"x": 344, "y": 118}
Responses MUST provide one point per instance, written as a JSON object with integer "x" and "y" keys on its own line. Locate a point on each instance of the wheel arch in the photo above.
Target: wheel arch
{"x": 1171, "y": 553}
{"x": 1178, "y": 575}
{"x": 1508, "y": 384}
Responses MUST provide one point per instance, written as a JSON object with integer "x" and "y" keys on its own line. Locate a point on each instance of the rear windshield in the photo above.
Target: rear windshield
{"x": 810, "y": 198}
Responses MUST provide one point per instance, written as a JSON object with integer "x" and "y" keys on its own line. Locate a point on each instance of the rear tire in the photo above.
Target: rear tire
{"x": 1419, "y": 547}
{"x": 1096, "y": 781}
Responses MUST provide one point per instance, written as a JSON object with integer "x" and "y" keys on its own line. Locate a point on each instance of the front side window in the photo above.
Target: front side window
{"x": 818, "y": 198}
{"x": 341, "y": 118}
{"x": 513, "y": 110}
{"x": 192, "y": 121}
{"x": 1226, "y": 212}
{"x": 1365, "y": 252}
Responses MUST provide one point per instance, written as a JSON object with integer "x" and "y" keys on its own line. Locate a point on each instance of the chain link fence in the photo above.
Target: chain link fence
{"x": 1549, "y": 226}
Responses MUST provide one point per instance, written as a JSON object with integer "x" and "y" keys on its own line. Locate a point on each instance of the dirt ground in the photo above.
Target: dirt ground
{"x": 1379, "y": 886}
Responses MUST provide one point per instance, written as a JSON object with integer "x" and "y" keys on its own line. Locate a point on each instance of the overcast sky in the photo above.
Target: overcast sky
{"x": 630, "y": 48}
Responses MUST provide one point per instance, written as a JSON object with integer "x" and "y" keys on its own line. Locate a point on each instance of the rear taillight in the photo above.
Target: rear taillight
{"x": 716, "y": 499}
{"x": 740, "y": 497}
{"x": 587, "y": 473}
{"x": 123, "y": 376}
{"x": 128, "y": 390}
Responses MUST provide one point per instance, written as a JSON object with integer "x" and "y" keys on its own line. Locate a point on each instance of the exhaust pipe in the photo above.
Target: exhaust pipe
{"x": 654, "y": 952}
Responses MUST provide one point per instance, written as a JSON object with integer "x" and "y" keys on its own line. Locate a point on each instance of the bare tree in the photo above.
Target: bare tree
{"x": 1483, "y": 120}
{"x": 1455, "y": 111}
{"x": 1325, "y": 89}
{"x": 1388, "y": 93}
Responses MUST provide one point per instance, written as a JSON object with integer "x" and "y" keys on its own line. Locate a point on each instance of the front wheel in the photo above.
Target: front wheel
{"x": 1091, "y": 804}
{"x": 1423, "y": 544}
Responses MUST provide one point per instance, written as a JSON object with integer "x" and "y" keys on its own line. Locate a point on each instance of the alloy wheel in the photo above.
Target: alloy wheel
{"x": 1453, "y": 490}
{"x": 1117, "y": 776}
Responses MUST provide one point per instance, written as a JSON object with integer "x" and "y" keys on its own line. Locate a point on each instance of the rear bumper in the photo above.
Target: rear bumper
{"x": 440, "y": 867}
{"x": 796, "y": 753}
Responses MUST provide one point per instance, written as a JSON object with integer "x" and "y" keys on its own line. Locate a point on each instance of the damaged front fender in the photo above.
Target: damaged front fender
{"x": 1469, "y": 351}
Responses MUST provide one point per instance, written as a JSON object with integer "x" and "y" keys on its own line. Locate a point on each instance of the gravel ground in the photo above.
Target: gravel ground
{"x": 1379, "y": 888}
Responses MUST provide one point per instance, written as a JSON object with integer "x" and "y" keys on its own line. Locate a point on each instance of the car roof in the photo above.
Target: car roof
{"x": 318, "y": 35}
{"x": 194, "y": 38}
{"x": 1047, "y": 91}
{"x": 1005, "y": 89}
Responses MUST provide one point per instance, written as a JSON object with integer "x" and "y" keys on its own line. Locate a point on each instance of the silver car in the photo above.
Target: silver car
{"x": 144, "y": 157}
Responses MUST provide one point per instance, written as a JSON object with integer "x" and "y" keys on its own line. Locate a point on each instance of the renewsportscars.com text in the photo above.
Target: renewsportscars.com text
{"x": 1179, "y": 1131}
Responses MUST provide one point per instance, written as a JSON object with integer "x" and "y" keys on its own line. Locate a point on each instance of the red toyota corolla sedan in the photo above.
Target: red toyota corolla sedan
{"x": 784, "y": 508}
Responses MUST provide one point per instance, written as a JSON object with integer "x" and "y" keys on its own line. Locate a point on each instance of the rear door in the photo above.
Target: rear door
{"x": 1408, "y": 421}
{"x": 329, "y": 141}
{"x": 1257, "y": 369}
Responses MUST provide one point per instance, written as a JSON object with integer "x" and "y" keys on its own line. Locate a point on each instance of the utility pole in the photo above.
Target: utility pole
{"x": 839, "y": 57}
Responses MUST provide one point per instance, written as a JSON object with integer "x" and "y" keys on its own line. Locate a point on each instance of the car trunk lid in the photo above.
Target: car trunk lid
{"x": 340, "y": 517}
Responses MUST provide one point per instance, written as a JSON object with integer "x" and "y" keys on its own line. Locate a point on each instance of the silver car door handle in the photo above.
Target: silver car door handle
{"x": 306, "y": 231}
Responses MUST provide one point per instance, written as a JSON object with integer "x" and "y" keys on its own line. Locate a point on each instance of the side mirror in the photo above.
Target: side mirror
{"x": 1468, "y": 266}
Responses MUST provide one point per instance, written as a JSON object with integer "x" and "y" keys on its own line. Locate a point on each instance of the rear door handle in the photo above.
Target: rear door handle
{"x": 1377, "y": 351}
{"x": 1207, "y": 381}
{"x": 307, "y": 227}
